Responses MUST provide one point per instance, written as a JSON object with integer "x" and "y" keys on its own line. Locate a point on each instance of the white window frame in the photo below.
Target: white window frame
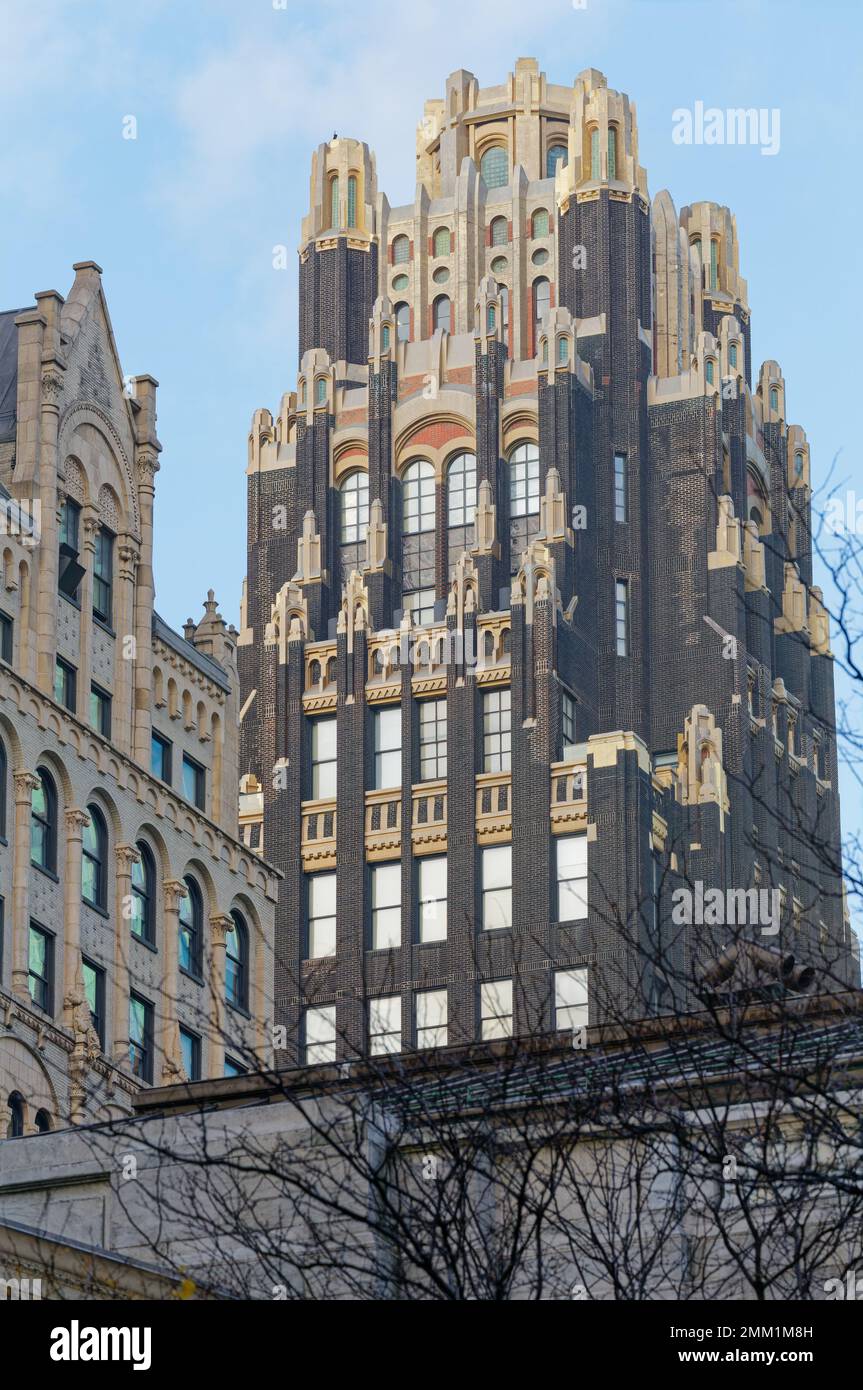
{"x": 321, "y": 1047}
{"x": 324, "y": 770}
{"x": 495, "y": 1010}
{"x": 388, "y": 754}
{"x": 386, "y": 896}
{"x": 431, "y": 1018}
{"x": 385, "y": 1024}
{"x": 432, "y": 897}
{"x": 497, "y": 730}
{"x": 496, "y": 875}
{"x": 321, "y": 925}
{"x": 571, "y": 1007}
{"x": 571, "y": 860}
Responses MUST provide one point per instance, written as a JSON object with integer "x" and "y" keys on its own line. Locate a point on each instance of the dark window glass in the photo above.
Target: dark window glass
{"x": 15, "y": 1128}
{"x": 141, "y": 1037}
{"x": 94, "y": 859}
{"x": 70, "y": 571}
{"x": 233, "y": 1068}
{"x": 40, "y": 967}
{"x": 43, "y": 823}
{"x": 100, "y": 711}
{"x": 7, "y": 635}
{"x": 94, "y": 993}
{"x": 557, "y": 154}
{"x": 190, "y": 1050}
{"x": 194, "y": 782}
{"x": 103, "y": 576}
{"x": 191, "y": 928}
{"x": 160, "y": 758}
{"x": 65, "y": 684}
{"x": 143, "y": 896}
{"x": 236, "y": 962}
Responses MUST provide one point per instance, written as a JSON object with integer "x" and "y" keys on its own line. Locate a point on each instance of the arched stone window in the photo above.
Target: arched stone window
{"x": 461, "y": 490}
{"x": 43, "y": 822}
{"x": 442, "y": 241}
{"x": 441, "y": 313}
{"x": 418, "y": 497}
{"x": 94, "y": 860}
{"x": 191, "y": 929}
{"x": 354, "y": 511}
{"x": 237, "y": 962}
{"x": 499, "y": 231}
{"x": 557, "y": 155}
{"x": 494, "y": 167}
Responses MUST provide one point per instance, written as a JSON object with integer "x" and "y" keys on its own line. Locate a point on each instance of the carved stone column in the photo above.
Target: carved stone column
{"x": 220, "y": 925}
{"x": 73, "y": 975}
{"x": 25, "y": 784}
{"x": 126, "y": 856}
{"x": 167, "y": 1026}
{"x": 124, "y": 655}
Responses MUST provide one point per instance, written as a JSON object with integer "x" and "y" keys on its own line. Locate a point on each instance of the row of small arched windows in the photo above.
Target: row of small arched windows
{"x": 418, "y": 493}
{"x": 15, "y": 1126}
{"x": 498, "y": 236}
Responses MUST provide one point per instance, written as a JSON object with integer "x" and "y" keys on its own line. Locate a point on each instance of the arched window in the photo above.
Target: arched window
{"x": 541, "y": 291}
{"x": 461, "y": 490}
{"x": 562, "y": 351}
{"x": 612, "y": 152}
{"x": 143, "y": 924}
{"x": 524, "y": 480}
{"x": 594, "y": 153}
{"x": 714, "y": 264}
{"x": 352, "y": 200}
{"x": 191, "y": 928}
{"x": 401, "y": 250}
{"x": 710, "y": 372}
{"x": 442, "y": 241}
{"x": 16, "y": 1116}
{"x": 42, "y": 1121}
{"x": 354, "y": 508}
{"x": 540, "y": 223}
{"x": 43, "y": 823}
{"x": 490, "y": 319}
{"x": 4, "y": 769}
{"x": 503, "y": 294}
{"x": 499, "y": 231}
{"x": 441, "y": 311}
{"x": 237, "y": 962}
{"x": 798, "y": 473}
{"x": 732, "y": 355}
{"x": 403, "y": 323}
{"x": 334, "y": 201}
{"x": 94, "y": 860}
{"x": 774, "y": 398}
{"x": 320, "y": 390}
{"x": 418, "y": 494}
{"x": 543, "y": 352}
{"x": 494, "y": 167}
{"x": 385, "y": 338}
{"x": 557, "y": 154}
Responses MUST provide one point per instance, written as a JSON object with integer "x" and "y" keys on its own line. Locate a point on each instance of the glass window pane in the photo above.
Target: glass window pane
{"x": 494, "y": 167}
{"x": 497, "y": 867}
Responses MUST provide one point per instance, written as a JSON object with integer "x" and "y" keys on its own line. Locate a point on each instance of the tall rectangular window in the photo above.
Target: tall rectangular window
{"x": 40, "y": 968}
{"x": 571, "y": 853}
{"x": 190, "y": 1051}
{"x": 141, "y": 1037}
{"x": 432, "y": 898}
{"x": 431, "y": 1017}
{"x": 386, "y": 906}
{"x": 160, "y": 758}
{"x": 70, "y": 572}
{"x": 570, "y": 999}
{"x": 388, "y": 747}
{"x": 621, "y": 616}
{"x": 620, "y": 487}
{"x": 420, "y": 604}
{"x": 319, "y": 1030}
{"x": 385, "y": 1024}
{"x": 497, "y": 887}
{"x": 567, "y": 718}
{"x": 322, "y": 915}
{"x": 432, "y": 739}
{"x": 94, "y": 993}
{"x": 100, "y": 710}
{"x": 194, "y": 782}
{"x": 103, "y": 576}
{"x": 7, "y": 634}
{"x": 496, "y": 731}
{"x": 65, "y": 684}
{"x": 495, "y": 1009}
{"x": 324, "y": 742}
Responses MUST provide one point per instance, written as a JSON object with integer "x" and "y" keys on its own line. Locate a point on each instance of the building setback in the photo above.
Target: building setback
{"x": 529, "y": 637}
{"x": 135, "y": 928}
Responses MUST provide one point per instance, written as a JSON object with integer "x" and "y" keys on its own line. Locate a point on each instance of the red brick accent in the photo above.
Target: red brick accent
{"x": 436, "y": 435}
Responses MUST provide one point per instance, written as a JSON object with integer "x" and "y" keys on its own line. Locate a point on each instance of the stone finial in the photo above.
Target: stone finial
{"x": 535, "y": 581}
{"x": 485, "y": 523}
{"x": 463, "y": 590}
{"x": 753, "y": 557}
{"x": 794, "y": 616}
{"x": 354, "y": 615}
{"x": 819, "y": 624}
{"x": 288, "y": 613}
{"x": 488, "y": 319}
{"x": 376, "y": 540}
{"x": 552, "y": 511}
{"x": 700, "y": 772}
{"x": 309, "y": 569}
{"x": 728, "y": 546}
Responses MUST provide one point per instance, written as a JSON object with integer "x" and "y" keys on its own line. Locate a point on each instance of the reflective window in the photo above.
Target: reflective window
{"x": 494, "y": 167}
{"x": 496, "y": 730}
{"x": 418, "y": 497}
{"x": 319, "y": 1026}
{"x": 432, "y": 898}
{"x": 495, "y": 1009}
{"x": 385, "y": 1024}
{"x": 388, "y": 746}
{"x": 524, "y": 480}
{"x": 237, "y": 962}
{"x": 322, "y": 915}
{"x": 432, "y": 722}
{"x": 570, "y": 999}
{"x": 442, "y": 314}
{"x": 461, "y": 490}
{"x": 354, "y": 494}
{"x": 497, "y": 887}
{"x": 431, "y": 1017}
{"x": 324, "y": 754}
{"x": 386, "y": 906}
{"x": 571, "y": 854}
{"x": 557, "y": 155}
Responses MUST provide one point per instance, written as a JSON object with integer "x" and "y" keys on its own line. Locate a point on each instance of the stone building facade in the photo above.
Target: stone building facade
{"x": 136, "y": 927}
{"x": 529, "y": 635}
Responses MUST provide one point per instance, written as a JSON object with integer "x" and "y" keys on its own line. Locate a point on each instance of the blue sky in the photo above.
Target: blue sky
{"x": 230, "y": 98}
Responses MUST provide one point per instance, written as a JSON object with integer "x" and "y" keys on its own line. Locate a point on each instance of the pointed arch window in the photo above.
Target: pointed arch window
{"x": 524, "y": 480}
{"x": 352, "y": 200}
{"x": 442, "y": 241}
{"x": 237, "y": 962}
{"x": 354, "y": 508}
{"x": 94, "y": 860}
{"x": 418, "y": 495}
{"x": 442, "y": 314}
{"x": 494, "y": 167}
{"x": 385, "y": 338}
{"x": 490, "y": 319}
{"x": 461, "y": 490}
{"x": 710, "y": 372}
{"x": 334, "y": 200}
{"x": 143, "y": 925}
{"x": 191, "y": 929}
{"x": 732, "y": 355}
{"x": 557, "y": 155}
{"x": 43, "y": 822}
